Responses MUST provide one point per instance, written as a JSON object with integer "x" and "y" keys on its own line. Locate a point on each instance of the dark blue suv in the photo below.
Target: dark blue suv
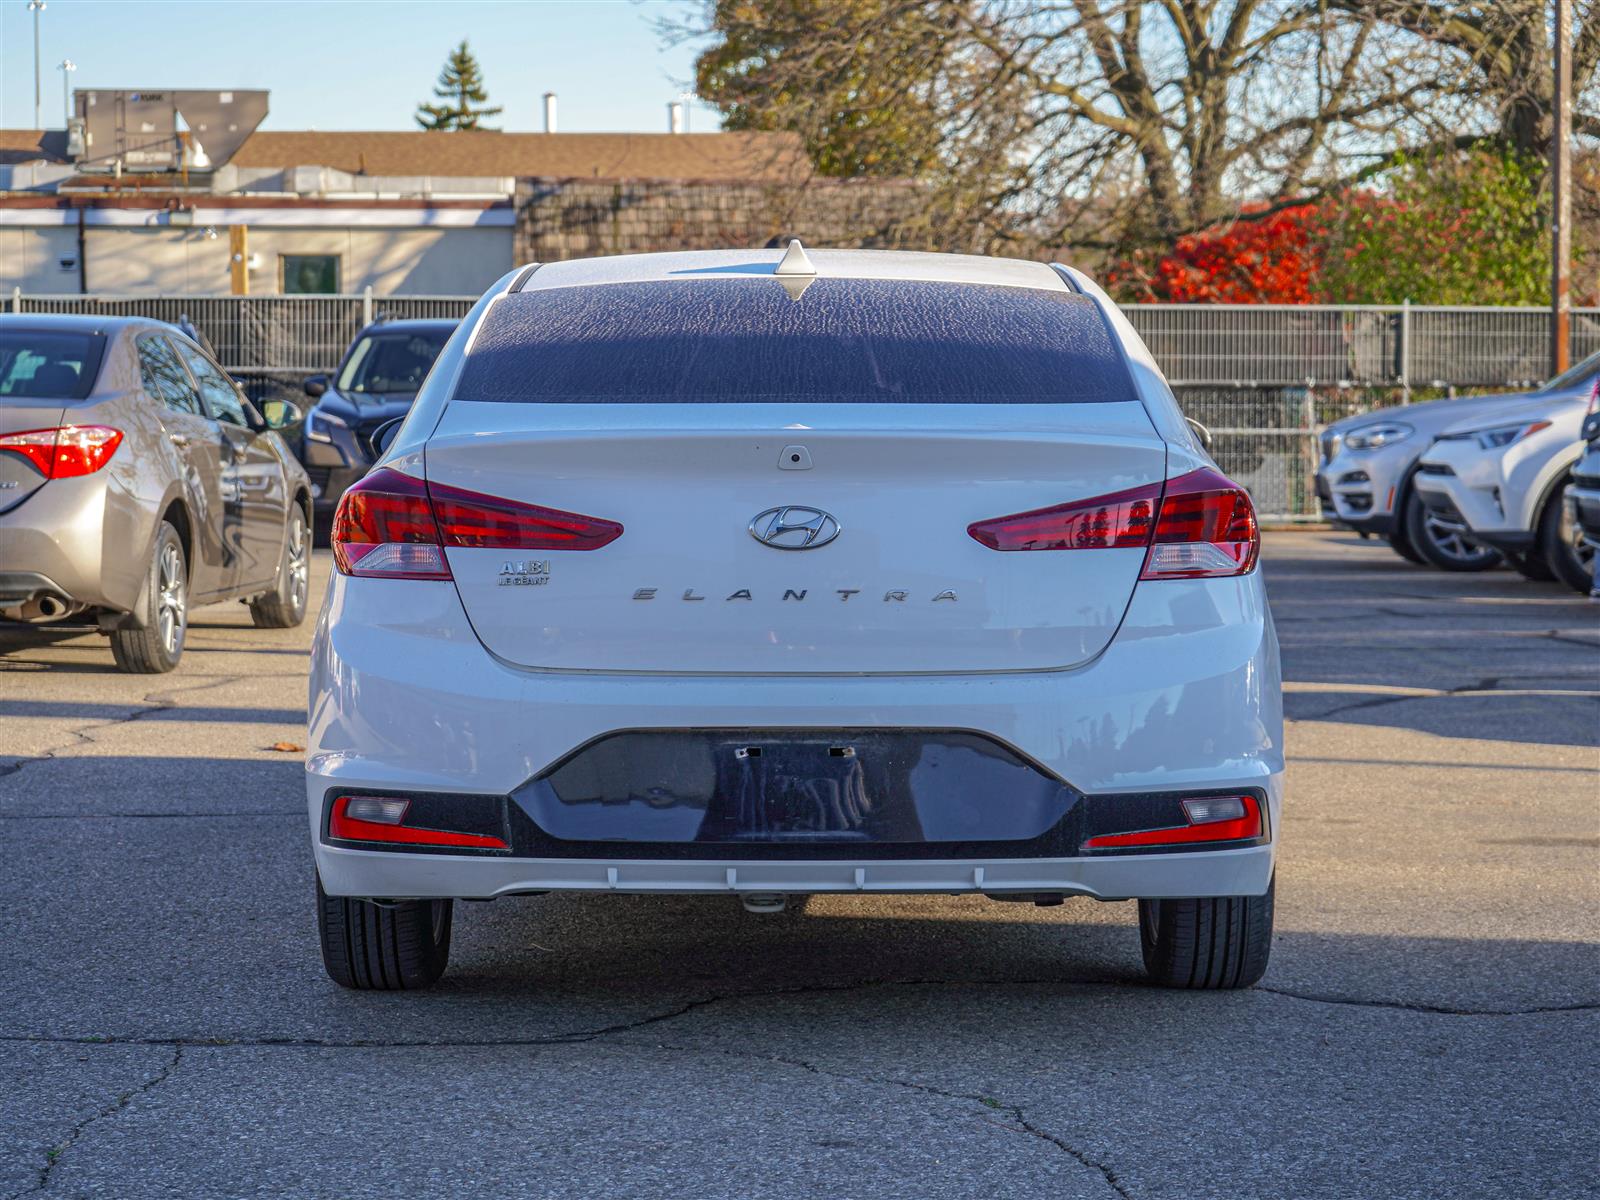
{"x": 376, "y": 382}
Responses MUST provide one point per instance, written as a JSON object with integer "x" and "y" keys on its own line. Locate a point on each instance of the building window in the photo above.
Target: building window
{"x": 310, "y": 274}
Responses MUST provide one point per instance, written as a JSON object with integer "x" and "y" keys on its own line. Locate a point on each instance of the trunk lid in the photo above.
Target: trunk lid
{"x": 898, "y": 587}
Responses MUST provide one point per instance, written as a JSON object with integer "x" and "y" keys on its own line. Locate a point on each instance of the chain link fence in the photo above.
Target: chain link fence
{"x": 1264, "y": 377}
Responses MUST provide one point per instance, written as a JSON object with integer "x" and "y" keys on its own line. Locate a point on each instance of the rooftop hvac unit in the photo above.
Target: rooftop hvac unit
{"x": 145, "y": 131}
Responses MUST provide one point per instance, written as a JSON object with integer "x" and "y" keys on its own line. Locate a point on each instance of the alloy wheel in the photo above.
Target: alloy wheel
{"x": 172, "y": 603}
{"x": 299, "y": 564}
{"x": 1451, "y": 539}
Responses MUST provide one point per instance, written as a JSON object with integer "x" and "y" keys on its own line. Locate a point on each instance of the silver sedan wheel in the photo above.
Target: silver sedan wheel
{"x": 298, "y": 564}
{"x": 172, "y": 603}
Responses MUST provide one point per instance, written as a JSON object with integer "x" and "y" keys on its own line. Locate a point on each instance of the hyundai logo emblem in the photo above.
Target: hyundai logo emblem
{"x": 794, "y": 527}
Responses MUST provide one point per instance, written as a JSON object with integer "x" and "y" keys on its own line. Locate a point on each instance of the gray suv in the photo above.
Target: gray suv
{"x": 137, "y": 480}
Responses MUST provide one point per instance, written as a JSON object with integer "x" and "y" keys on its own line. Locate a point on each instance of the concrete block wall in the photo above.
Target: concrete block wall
{"x": 574, "y": 218}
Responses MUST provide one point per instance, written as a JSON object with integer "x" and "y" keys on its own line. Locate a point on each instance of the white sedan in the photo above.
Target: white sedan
{"x": 855, "y": 572}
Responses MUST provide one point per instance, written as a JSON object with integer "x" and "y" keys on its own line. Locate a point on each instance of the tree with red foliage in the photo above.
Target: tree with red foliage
{"x": 1274, "y": 258}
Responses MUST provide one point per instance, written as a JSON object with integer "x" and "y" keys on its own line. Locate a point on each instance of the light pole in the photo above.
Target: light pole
{"x": 66, "y": 68}
{"x": 1561, "y": 194}
{"x": 36, "y": 7}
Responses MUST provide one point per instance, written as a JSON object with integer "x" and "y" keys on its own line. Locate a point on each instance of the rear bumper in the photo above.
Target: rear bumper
{"x": 405, "y": 698}
{"x": 1243, "y": 872}
{"x": 62, "y": 533}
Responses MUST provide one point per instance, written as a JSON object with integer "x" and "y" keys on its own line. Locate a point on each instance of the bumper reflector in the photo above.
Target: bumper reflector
{"x": 378, "y": 819}
{"x": 1211, "y": 819}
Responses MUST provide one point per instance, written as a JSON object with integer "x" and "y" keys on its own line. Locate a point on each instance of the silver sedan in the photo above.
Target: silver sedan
{"x": 137, "y": 480}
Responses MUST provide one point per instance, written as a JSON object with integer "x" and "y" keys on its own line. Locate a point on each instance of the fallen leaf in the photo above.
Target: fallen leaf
{"x": 287, "y": 748}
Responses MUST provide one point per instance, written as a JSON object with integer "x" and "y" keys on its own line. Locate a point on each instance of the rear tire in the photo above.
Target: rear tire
{"x": 1562, "y": 545}
{"x": 285, "y": 606}
{"x": 1445, "y": 548}
{"x": 398, "y": 945}
{"x": 1214, "y": 944}
{"x": 157, "y": 648}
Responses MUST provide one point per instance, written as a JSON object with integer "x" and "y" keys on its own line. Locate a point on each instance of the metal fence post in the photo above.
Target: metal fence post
{"x": 366, "y": 306}
{"x": 1405, "y": 351}
{"x": 16, "y": 299}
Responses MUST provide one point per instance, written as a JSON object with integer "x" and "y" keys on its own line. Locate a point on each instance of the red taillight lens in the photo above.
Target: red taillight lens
{"x": 1196, "y": 526}
{"x": 379, "y": 819}
{"x": 67, "y": 451}
{"x": 470, "y": 519}
{"x": 1119, "y": 520}
{"x": 392, "y": 526}
{"x": 1211, "y": 819}
{"x": 384, "y": 527}
{"x": 1207, "y": 528}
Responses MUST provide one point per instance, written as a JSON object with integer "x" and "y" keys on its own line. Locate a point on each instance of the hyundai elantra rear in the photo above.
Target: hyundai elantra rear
{"x": 858, "y": 572}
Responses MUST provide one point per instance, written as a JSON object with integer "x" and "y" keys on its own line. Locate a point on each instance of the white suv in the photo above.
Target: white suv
{"x": 859, "y": 573}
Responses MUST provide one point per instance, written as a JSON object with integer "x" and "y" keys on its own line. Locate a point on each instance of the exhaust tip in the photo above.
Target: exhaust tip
{"x": 764, "y": 902}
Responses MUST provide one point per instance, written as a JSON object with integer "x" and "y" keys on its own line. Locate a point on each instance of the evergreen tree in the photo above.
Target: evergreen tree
{"x": 460, "y": 88}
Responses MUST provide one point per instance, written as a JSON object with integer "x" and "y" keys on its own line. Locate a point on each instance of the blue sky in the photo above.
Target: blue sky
{"x": 359, "y": 64}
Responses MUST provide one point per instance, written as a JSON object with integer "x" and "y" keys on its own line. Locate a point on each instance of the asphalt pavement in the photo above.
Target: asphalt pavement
{"x": 1429, "y": 1026}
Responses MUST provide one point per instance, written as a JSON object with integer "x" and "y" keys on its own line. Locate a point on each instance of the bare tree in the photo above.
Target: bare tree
{"x": 1109, "y": 122}
{"x": 1499, "y": 52}
{"x": 1192, "y": 110}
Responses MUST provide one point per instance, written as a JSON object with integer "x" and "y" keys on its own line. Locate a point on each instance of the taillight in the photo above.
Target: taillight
{"x": 1594, "y": 398}
{"x": 392, "y": 526}
{"x": 1210, "y": 819}
{"x": 1207, "y": 528}
{"x": 1121, "y": 519}
{"x": 470, "y": 519}
{"x": 1198, "y": 525}
{"x": 384, "y": 527}
{"x": 381, "y": 819}
{"x": 67, "y": 451}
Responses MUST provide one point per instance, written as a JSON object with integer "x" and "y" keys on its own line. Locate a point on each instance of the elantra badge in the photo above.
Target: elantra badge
{"x": 794, "y": 527}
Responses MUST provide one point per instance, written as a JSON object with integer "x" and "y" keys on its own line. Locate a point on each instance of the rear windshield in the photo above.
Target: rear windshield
{"x": 740, "y": 340}
{"x": 44, "y": 364}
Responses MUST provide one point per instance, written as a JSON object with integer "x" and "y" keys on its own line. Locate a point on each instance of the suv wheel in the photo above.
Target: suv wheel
{"x": 1443, "y": 543}
{"x": 157, "y": 647}
{"x": 1569, "y": 555}
{"x": 1218, "y": 943}
{"x": 383, "y": 945}
{"x": 285, "y": 606}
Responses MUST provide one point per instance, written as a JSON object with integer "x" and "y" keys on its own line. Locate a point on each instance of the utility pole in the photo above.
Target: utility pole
{"x": 36, "y": 7}
{"x": 1561, "y": 195}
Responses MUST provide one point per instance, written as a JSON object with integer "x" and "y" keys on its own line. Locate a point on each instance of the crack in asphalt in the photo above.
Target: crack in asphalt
{"x": 55, "y": 1153}
{"x": 164, "y": 702}
{"x": 1015, "y": 1112}
{"x": 579, "y": 1036}
{"x": 1431, "y": 1009}
{"x": 1486, "y": 687}
{"x": 993, "y": 1104}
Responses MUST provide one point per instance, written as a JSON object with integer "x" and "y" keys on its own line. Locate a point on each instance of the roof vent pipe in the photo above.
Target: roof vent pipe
{"x": 675, "y": 117}
{"x": 549, "y": 112}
